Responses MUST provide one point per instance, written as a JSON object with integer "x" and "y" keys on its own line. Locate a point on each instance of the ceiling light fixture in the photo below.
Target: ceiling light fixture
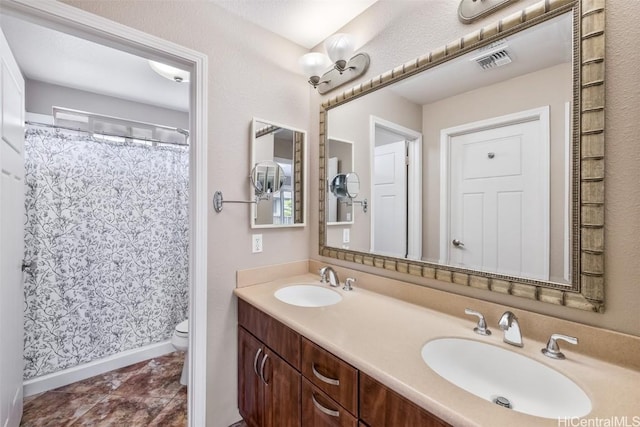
{"x": 345, "y": 67}
{"x": 169, "y": 72}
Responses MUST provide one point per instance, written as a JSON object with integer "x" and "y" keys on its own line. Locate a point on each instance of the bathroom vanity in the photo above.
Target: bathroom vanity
{"x": 287, "y": 380}
{"x": 358, "y": 362}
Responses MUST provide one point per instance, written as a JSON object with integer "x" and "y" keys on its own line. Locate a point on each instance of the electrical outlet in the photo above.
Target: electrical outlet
{"x": 256, "y": 243}
{"x": 345, "y": 235}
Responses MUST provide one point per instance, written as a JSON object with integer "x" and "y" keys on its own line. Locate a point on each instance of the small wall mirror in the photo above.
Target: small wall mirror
{"x": 279, "y": 153}
{"x": 339, "y": 161}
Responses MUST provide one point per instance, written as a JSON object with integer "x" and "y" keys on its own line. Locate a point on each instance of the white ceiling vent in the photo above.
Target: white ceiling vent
{"x": 496, "y": 59}
{"x": 493, "y": 56}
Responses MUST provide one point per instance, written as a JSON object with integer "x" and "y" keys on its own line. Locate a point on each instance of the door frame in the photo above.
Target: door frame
{"x": 414, "y": 182}
{"x": 79, "y": 23}
{"x": 535, "y": 114}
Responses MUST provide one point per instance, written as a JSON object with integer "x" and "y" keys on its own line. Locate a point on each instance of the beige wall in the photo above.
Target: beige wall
{"x": 394, "y": 32}
{"x": 548, "y": 87}
{"x": 252, "y": 73}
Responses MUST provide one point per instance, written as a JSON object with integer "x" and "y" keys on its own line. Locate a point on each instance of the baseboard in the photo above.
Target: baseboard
{"x": 97, "y": 367}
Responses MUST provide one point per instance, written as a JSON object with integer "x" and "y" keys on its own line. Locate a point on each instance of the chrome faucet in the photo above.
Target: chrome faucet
{"x": 348, "y": 284}
{"x": 553, "y": 350}
{"x": 509, "y": 324}
{"x": 329, "y": 275}
{"x": 481, "y": 327}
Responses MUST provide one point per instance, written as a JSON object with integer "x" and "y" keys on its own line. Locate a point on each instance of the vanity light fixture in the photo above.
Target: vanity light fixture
{"x": 169, "y": 72}
{"x": 345, "y": 67}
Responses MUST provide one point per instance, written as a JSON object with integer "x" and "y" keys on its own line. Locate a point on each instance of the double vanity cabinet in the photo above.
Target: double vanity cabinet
{"x": 286, "y": 380}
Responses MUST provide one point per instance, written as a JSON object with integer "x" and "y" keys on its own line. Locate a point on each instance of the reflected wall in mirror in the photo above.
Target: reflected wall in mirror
{"x": 339, "y": 161}
{"x": 286, "y": 148}
{"x": 508, "y": 171}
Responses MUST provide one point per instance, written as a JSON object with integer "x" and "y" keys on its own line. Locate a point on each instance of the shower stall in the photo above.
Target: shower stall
{"x": 106, "y": 245}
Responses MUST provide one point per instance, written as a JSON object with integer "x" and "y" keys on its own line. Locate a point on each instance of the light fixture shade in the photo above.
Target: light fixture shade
{"x": 314, "y": 64}
{"x": 340, "y": 47}
{"x": 169, "y": 72}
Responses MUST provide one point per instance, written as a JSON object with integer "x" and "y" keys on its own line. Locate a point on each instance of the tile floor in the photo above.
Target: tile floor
{"x": 148, "y": 393}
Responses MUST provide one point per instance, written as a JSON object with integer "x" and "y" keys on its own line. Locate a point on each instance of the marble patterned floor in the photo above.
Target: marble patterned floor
{"x": 148, "y": 393}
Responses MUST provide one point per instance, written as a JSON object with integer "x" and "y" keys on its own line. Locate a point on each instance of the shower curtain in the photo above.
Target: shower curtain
{"x": 107, "y": 227}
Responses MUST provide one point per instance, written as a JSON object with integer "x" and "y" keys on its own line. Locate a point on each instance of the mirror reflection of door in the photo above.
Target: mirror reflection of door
{"x": 496, "y": 196}
{"x": 396, "y": 191}
{"x": 390, "y": 194}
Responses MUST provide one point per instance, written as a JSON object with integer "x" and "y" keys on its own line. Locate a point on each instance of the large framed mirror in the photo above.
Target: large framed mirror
{"x": 484, "y": 159}
{"x": 285, "y": 147}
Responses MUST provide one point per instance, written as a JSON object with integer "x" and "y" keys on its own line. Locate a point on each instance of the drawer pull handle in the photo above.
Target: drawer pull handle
{"x": 255, "y": 361}
{"x": 327, "y": 411}
{"x": 264, "y": 361}
{"x": 322, "y": 377}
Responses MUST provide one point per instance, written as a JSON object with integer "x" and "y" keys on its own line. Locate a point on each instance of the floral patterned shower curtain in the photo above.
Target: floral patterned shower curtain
{"x": 107, "y": 228}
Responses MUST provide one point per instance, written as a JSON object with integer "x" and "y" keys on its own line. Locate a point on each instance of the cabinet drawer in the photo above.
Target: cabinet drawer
{"x": 319, "y": 410}
{"x": 382, "y": 407}
{"x": 274, "y": 334}
{"x": 336, "y": 378}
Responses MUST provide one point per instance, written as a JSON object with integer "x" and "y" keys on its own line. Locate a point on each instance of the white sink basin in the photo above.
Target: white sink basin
{"x": 490, "y": 372}
{"x": 308, "y": 296}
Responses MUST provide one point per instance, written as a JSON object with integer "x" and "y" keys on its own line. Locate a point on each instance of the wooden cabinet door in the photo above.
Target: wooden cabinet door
{"x": 281, "y": 392}
{"x": 382, "y": 407}
{"x": 250, "y": 386}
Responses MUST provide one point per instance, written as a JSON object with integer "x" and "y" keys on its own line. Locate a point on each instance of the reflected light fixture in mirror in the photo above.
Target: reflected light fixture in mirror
{"x": 345, "y": 67}
{"x": 169, "y": 72}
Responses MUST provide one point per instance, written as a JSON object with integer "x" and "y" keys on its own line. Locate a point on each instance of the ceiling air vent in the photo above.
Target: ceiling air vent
{"x": 494, "y": 60}
{"x": 494, "y": 55}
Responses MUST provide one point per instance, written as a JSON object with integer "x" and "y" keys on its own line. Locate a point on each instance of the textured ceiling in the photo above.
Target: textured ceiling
{"x": 53, "y": 57}
{"x": 304, "y": 22}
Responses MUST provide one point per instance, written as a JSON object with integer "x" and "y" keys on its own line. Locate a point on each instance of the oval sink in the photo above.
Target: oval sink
{"x": 506, "y": 378}
{"x": 308, "y": 296}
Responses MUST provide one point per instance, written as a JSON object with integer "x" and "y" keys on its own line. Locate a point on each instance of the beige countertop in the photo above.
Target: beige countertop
{"x": 383, "y": 337}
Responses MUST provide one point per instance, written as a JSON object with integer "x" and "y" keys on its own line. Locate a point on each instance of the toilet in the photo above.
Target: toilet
{"x": 180, "y": 341}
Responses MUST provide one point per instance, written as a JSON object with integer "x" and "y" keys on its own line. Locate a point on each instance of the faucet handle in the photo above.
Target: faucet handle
{"x": 323, "y": 274}
{"x": 481, "y": 328}
{"x": 348, "y": 284}
{"x": 553, "y": 349}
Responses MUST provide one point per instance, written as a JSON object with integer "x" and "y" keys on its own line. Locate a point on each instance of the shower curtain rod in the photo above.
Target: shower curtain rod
{"x": 180, "y": 131}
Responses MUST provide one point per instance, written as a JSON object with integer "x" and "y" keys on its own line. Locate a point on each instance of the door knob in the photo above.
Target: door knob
{"x": 457, "y": 243}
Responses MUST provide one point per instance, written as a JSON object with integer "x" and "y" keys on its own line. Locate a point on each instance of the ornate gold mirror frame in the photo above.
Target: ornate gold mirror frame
{"x": 587, "y": 290}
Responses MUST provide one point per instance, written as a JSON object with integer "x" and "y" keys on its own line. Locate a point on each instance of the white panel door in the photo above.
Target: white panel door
{"x": 11, "y": 236}
{"x": 332, "y": 200}
{"x": 390, "y": 200}
{"x": 498, "y": 202}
